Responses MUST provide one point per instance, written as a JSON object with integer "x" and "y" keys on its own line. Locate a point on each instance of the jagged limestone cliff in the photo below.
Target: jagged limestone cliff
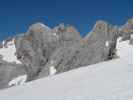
{"x": 62, "y": 48}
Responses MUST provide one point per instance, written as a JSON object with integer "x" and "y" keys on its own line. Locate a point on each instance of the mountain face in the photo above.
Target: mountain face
{"x": 110, "y": 80}
{"x": 43, "y": 51}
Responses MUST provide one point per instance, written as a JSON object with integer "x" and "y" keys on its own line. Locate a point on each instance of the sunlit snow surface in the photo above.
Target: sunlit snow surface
{"x": 8, "y": 52}
{"x": 112, "y": 80}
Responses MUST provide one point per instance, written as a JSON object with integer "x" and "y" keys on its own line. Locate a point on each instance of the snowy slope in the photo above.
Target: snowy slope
{"x": 112, "y": 80}
{"x": 8, "y": 52}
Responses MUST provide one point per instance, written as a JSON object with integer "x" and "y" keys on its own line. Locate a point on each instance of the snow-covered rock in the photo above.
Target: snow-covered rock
{"x": 18, "y": 81}
{"x": 40, "y": 45}
{"x": 9, "y": 51}
{"x": 110, "y": 80}
{"x": 107, "y": 43}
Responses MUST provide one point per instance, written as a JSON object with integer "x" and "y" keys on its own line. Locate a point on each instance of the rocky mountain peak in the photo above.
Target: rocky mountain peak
{"x": 38, "y": 27}
{"x": 64, "y": 46}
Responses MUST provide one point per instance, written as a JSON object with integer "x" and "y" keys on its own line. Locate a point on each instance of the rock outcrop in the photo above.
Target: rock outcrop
{"x": 64, "y": 49}
{"x": 9, "y": 71}
{"x": 1, "y": 45}
{"x": 42, "y": 49}
{"x": 126, "y": 30}
{"x": 99, "y": 45}
{"x": 35, "y": 48}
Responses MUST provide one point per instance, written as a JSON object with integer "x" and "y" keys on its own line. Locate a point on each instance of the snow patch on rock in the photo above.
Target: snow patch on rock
{"x": 18, "y": 81}
{"x": 8, "y": 52}
{"x": 119, "y": 39}
{"x": 111, "y": 80}
{"x": 52, "y": 69}
{"x": 107, "y": 43}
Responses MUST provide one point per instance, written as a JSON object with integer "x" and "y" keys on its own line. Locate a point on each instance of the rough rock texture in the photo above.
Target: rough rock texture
{"x": 126, "y": 30}
{"x": 63, "y": 45}
{"x": 68, "y": 40}
{"x": 35, "y": 48}
{"x": 130, "y": 24}
{"x": 131, "y": 39}
{"x": 9, "y": 71}
{"x": 105, "y": 34}
{"x": 42, "y": 48}
{"x": 99, "y": 45}
{"x": 1, "y": 45}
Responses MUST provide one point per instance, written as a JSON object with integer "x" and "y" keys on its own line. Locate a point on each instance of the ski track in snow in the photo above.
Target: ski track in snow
{"x": 112, "y": 80}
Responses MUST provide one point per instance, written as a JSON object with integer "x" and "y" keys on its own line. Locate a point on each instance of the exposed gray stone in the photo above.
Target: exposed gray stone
{"x": 126, "y": 30}
{"x": 68, "y": 39}
{"x": 131, "y": 39}
{"x": 1, "y": 57}
{"x": 9, "y": 71}
{"x": 1, "y": 45}
{"x": 41, "y": 48}
{"x": 35, "y": 48}
{"x": 90, "y": 50}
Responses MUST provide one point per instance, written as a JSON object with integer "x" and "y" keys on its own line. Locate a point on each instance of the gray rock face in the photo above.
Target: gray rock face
{"x": 126, "y": 30}
{"x": 131, "y": 39}
{"x": 67, "y": 35}
{"x": 99, "y": 45}
{"x": 9, "y": 71}
{"x": 125, "y": 34}
{"x": 105, "y": 34}
{"x": 35, "y": 48}
{"x": 41, "y": 48}
{"x": 1, "y": 57}
{"x": 1, "y": 45}
{"x": 68, "y": 40}
{"x": 130, "y": 24}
